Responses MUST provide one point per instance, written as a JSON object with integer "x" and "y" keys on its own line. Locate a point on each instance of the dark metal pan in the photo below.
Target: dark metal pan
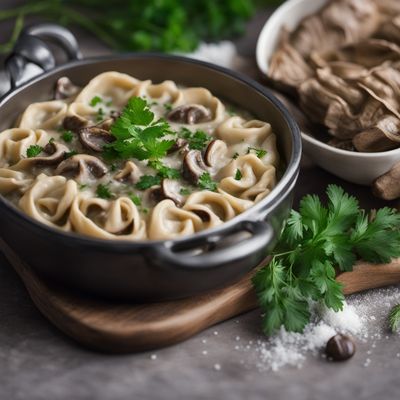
{"x": 146, "y": 270}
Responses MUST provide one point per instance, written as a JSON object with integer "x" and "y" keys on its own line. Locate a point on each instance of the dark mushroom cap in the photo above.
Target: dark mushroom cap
{"x": 169, "y": 189}
{"x": 193, "y": 166}
{"x": 65, "y": 88}
{"x": 94, "y": 138}
{"x": 129, "y": 174}
{"x": 52, "y": 154}
{"x": 74, "y": 123}
{"x": 190, "y": 114}
{"x": 82, "y": 167}
{"x": 180, "y": 144}
{"x": 216, "y": 149}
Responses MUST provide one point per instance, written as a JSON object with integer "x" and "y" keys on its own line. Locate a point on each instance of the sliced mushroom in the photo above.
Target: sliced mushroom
{"x": 74, "y": 123}
{"x": 65, "y": 89}
{"x": 193, "y": 166}
{"x": 82, "y": 167}
{"x": 129, "y": 174}
{"x": 94, "y": 138}
{"x": 169, "y": 189}
{"x": 180, "y": 144}
{"x": 190, "y": 114}
{"x": 215, "y": 151}
{"x": 54, "y": 154}
{"x": 346, "y": 144}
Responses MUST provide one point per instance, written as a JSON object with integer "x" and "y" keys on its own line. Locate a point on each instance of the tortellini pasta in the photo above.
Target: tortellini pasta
{"x": 57, "y": 167}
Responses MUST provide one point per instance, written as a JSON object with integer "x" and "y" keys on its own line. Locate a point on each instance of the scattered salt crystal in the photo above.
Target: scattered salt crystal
{"x": 153, "y": 357}
{"x": 237, "y": 338}
{"x": 205, "y": 352}
{"x": 367, "y": 362}
{"x": 346, "y": 320}
{"x": 217, "y": 367}
{"x": 215, "y": 333}
{"x": 237, "y": 347}
{"x": 204, "y": 341}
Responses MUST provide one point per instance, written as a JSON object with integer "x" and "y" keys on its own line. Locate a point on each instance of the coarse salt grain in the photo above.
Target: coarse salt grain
{"x": 153, "y": 357}
{"x": 217, "y": 367}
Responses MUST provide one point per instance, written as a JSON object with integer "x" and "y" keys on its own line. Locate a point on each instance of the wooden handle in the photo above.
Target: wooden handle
{"x": 370, "y": 276}
{"x": 128, "y": 327}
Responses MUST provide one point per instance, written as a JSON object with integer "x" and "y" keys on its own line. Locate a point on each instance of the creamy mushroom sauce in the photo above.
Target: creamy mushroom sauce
{"x": 61, "y": 189}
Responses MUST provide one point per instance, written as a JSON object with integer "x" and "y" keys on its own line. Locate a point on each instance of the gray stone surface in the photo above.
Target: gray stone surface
{"x": 38, "y": 362}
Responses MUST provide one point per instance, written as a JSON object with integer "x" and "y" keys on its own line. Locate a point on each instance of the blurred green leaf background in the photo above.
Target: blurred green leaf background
{"x": 132, "y": 25}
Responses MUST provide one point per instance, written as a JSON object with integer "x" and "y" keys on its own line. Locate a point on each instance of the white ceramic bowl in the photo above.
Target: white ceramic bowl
{"x": 360, "y": 168}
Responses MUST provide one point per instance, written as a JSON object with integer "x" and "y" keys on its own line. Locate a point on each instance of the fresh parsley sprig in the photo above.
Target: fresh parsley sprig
{"x": 394, "y": 318}
{"x": 138, "y": 134}
{"x": 314, "y": 242}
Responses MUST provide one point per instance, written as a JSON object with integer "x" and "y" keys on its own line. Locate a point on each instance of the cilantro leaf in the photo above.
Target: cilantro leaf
{"x": 33, "y": 150}
{"x": 316, "y": 240}
{"x": 137, "y": 134}
{"x": 238, "y": 175}
{"x": 103, "y": 192}
{"x": 147, "y": 181}
{"x": 394, "y": 318}
{"x": 95, "y": 100}
{"x": 206, "y": 183}
{"x": 67, "y": 136}
{"x": 136, "y": 200}
{"x": 260, "y": 153}
{"x": 197, "y": 140}
{"x": 164, "y": 171}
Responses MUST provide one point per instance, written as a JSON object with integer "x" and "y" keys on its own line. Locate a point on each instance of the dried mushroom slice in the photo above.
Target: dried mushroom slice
{"x": 190, "y": 114}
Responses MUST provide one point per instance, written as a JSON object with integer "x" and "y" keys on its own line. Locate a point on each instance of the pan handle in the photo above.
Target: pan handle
{"x": 177, "y": 255}
{"x": 32, "y": 56}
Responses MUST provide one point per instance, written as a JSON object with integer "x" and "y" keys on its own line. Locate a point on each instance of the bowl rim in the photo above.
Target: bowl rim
{"x": 276, "y": 195}
{"x": 277, "y": 18}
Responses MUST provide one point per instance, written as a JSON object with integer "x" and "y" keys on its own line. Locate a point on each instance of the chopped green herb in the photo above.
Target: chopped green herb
{"x": 100, "y": 115}
{"x": 67, "y": 136}
{"x": 153, "y": 103}
{"x": 144, "y": 210}
{"x": 394, "y": 318}
{"x": 103, "y": 192}
{"x": 235, "y": 156}
{"x": 70, "y": 154}
{"x": 113, "y": 167}
{"x": 95, "y": 100}
{"x": 109, "y": 103}
{"x": 167, "y": 106}
{"x": 206, "y": 183}
{"x": 83, "y": 187}
{"x": 314, "y": 242}
{"x": 33, "y": 150}
{"x": 184, "y": 191}
{"x": 137, "y": 134}
{"x": 238, "y": 175}
{"x": 197, "y": 140}
{"x": 147, "y": 181}
{"x": 260, "y": 153}
{"x": 163, "y": 170}
{"x": 136, "y": 200}
{"x": 51, "y": 140}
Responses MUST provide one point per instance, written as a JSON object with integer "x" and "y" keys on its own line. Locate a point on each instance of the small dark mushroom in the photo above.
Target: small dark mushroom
{"x": 65, "y": 88}
{"x": 74, "y": 123}
{"x": 340, "y": 348}
{"x": 180, "y": 144}
{"x": 169, "y": 189}
{"x": 193, "y": 166}
{"x": 129, "y": 174}
{"x": 81, "y": 167}
{"x": 53, "y": 154}
{"x": 216, "y": 150}
{"x": 387, "y": 186}
{"x": 190, "y": 114}
{"x": 94, "y": 138}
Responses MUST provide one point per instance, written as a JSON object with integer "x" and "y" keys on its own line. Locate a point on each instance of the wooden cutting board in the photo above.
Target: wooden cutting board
{"x": 129, "y": 327}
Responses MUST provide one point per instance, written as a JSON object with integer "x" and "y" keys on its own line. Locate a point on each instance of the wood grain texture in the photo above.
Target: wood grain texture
{"x": 129, "y": 327}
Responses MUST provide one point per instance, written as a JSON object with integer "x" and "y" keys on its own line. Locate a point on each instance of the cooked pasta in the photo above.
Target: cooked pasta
{"x": 125, "y": 159}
